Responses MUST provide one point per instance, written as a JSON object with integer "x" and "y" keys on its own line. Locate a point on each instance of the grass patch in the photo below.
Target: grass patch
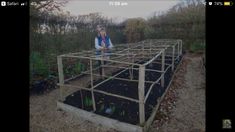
{"x": 197, "y": 47}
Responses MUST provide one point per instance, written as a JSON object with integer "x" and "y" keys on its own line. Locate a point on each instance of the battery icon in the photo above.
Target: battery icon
{"x": 227, "y": 3}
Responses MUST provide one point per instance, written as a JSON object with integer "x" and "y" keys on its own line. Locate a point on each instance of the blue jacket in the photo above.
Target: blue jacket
{"x": 107, "y": 44}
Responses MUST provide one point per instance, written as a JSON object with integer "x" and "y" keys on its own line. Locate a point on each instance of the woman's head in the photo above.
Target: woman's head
{"x": 102, "y": 32}
{"x": 98, "y": 27}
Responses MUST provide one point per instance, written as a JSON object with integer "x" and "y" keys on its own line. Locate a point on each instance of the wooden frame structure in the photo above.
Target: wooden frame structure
{"x": 126, "y": 57}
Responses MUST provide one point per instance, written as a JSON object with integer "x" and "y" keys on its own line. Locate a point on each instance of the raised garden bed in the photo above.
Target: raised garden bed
{"x": 114, "y": 100}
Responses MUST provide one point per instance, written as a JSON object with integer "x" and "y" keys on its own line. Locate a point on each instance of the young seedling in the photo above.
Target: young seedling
{"x": 122, "y": 113}
{"x": 88, "y": 102}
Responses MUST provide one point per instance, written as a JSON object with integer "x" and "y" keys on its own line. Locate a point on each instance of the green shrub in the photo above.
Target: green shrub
{"x": 197, "y": 47}
{"x": 79, "y": 67}
{"x": 38, "y": 65}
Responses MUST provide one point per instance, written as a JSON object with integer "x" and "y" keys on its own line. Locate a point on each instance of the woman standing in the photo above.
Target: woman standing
{"x": 103, "y": 45}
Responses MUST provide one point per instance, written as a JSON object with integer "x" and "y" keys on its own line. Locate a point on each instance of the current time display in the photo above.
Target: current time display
{"x": 117, "y": 3}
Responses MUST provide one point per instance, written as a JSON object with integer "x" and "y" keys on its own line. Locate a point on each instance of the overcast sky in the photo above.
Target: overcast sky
{"x": 127, "y": 9}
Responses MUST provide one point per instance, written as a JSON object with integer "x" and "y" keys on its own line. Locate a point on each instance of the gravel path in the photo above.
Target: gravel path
{"x": 182, "y": 110}
{"x": 188, "y": 113}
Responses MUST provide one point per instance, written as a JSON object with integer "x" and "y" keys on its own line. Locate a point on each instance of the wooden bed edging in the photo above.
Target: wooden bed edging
{"x": 99, "y": 120}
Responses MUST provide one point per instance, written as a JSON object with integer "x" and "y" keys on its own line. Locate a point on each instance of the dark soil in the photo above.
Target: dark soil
{"x": 121, "y": 109}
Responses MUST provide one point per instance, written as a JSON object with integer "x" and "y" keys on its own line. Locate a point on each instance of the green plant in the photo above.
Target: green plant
{"x": 88, "y": 101}
{"x": 37, "y": 65}
{"x": 78, "y": 68}
{"x": 122, "y": 113}
{"x": 196, "y": 47}
{"x": 68, "y": 71}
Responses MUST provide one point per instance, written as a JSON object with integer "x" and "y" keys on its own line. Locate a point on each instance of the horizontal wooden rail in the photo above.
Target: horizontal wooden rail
{"x": 99, "y": 91}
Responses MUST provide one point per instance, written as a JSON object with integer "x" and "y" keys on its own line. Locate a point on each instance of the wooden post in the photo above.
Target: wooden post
{"x": 61, "y": 76}
{"x": 102, "y": 63}
{"x": 150, "y": 52}
{"x": 91, "y": 73}
{"x": 141, "y": 94}
{"x": 132, "y": 66}
{"x": 143, "y": 51}
{"x": 181, "y": 47}
{"x": 163, "y": 67}
{"x": 130, "y": 60}
{"x": 130, "y": 72}
{"x": 173, "y": 58}
{"x": 92, "y": 92}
